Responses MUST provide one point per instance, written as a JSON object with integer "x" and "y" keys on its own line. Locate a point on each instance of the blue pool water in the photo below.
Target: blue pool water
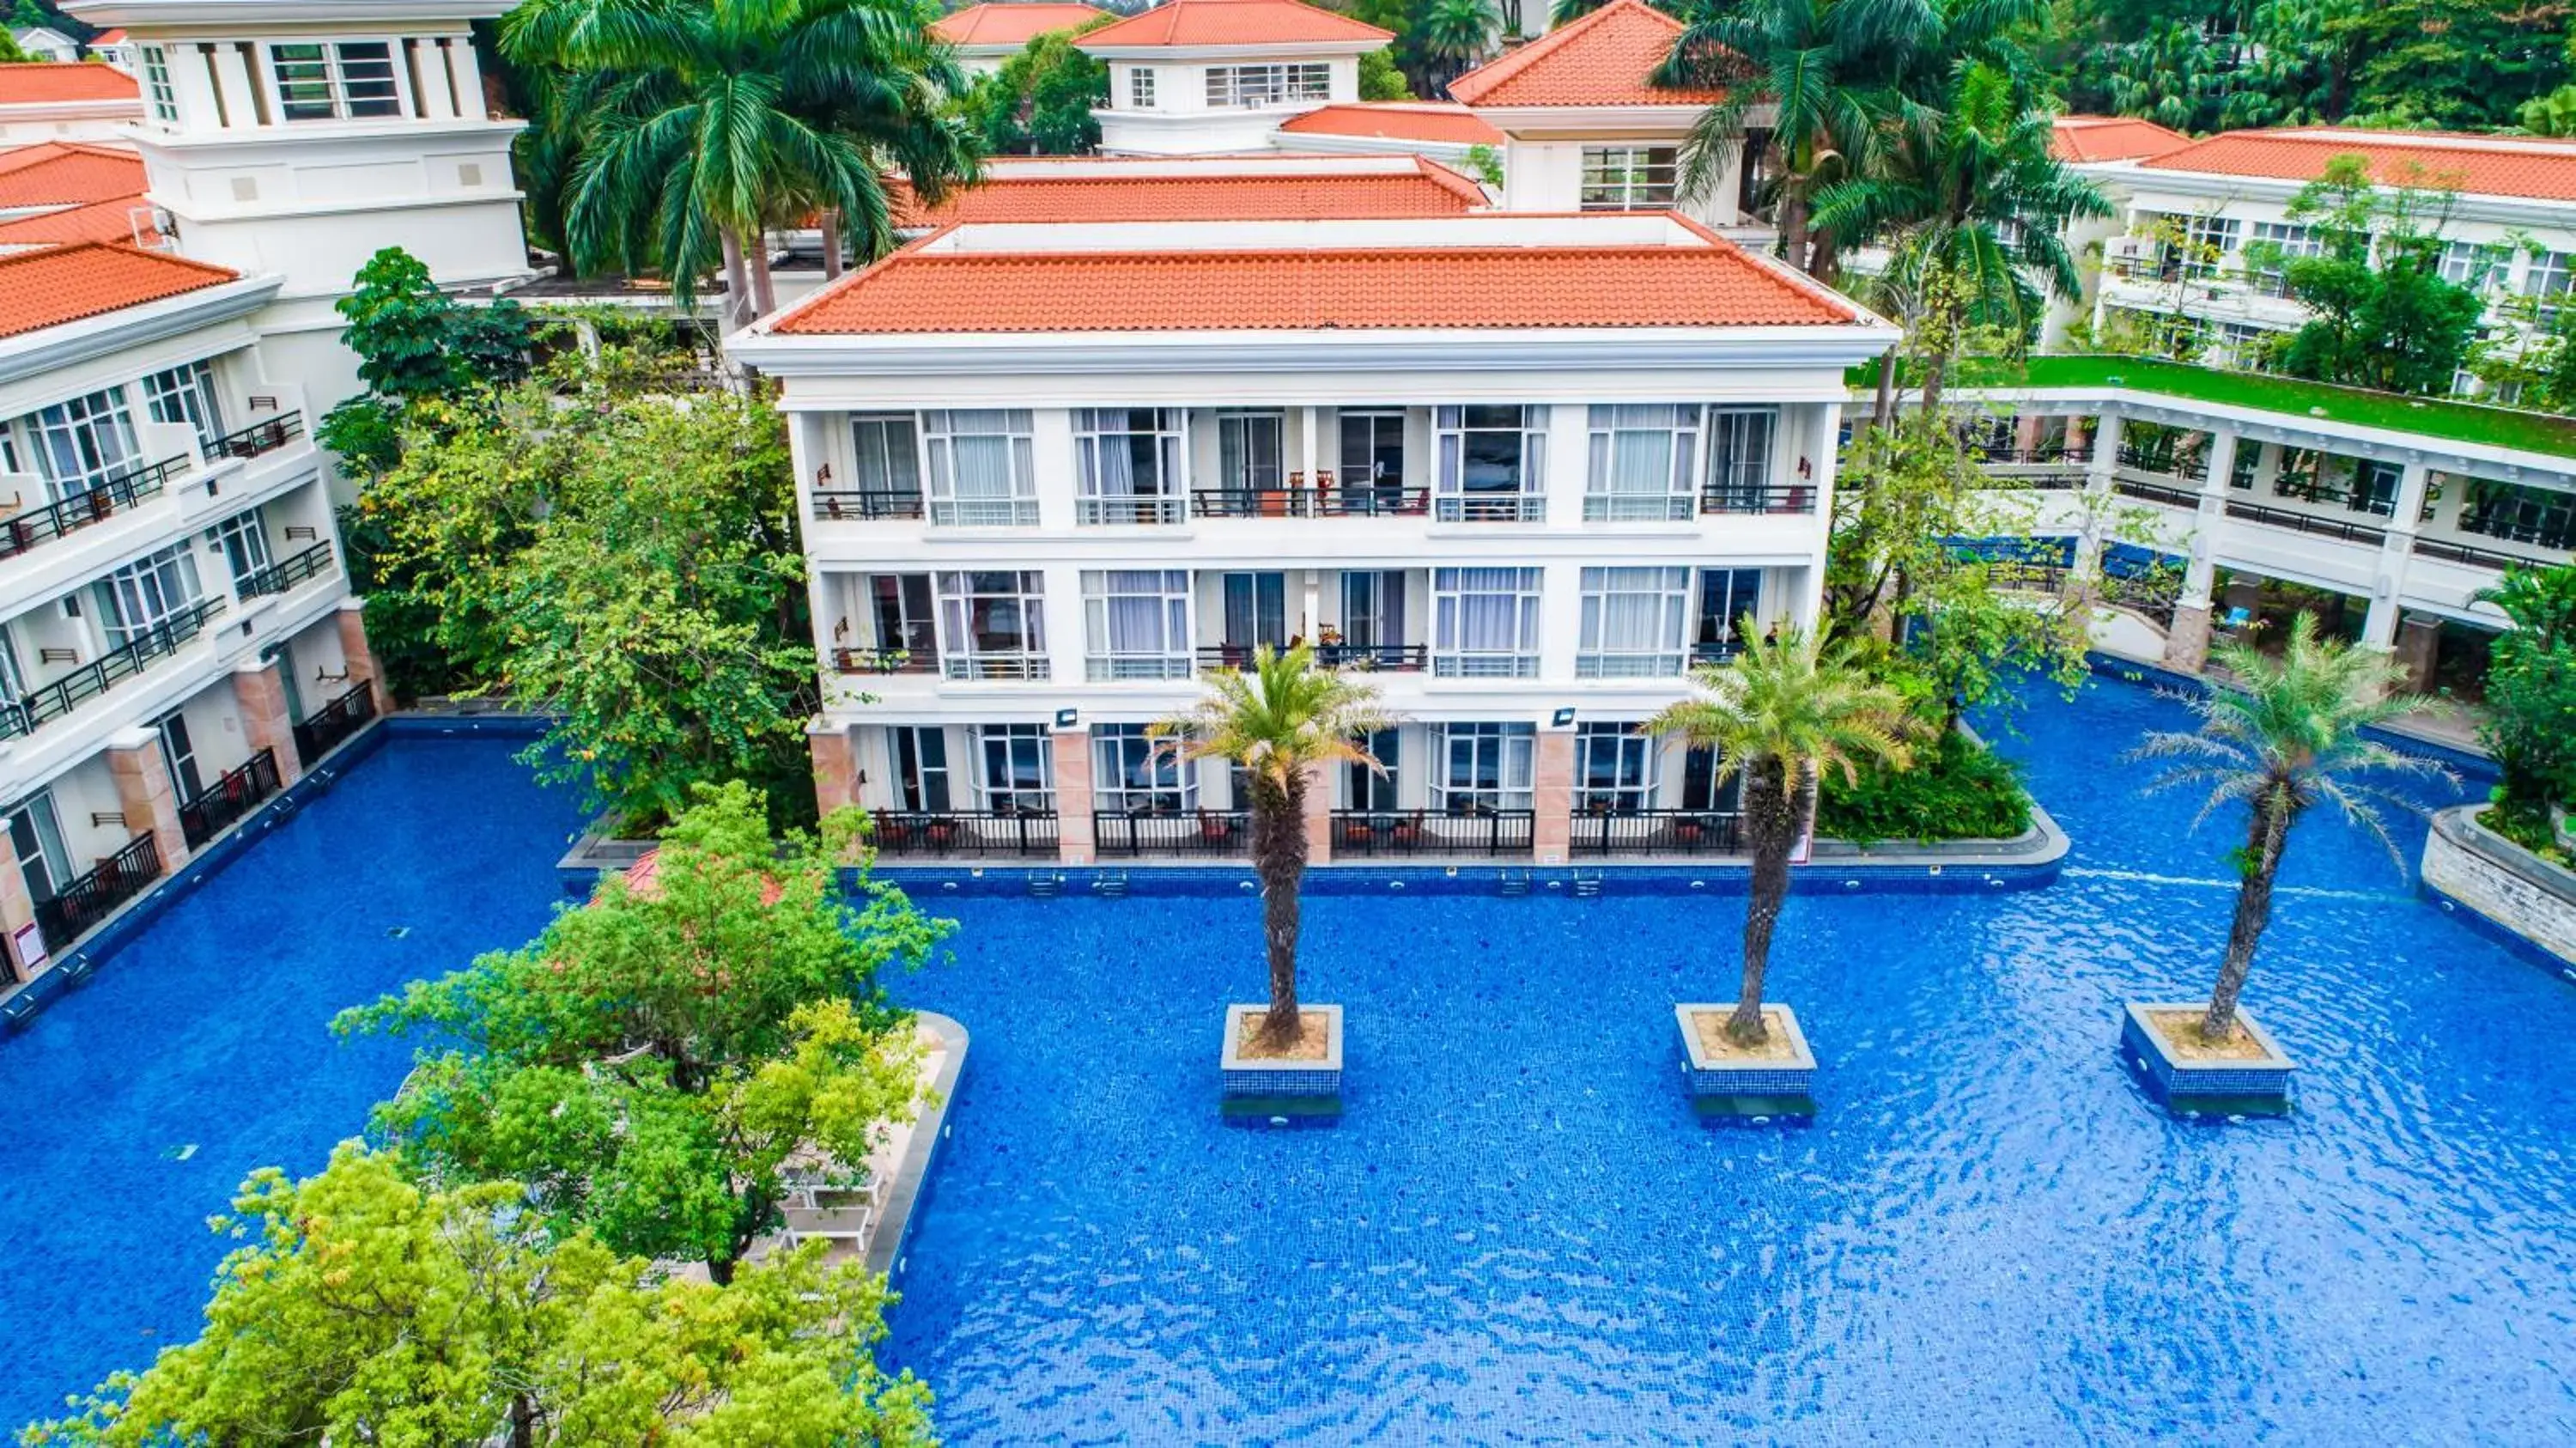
{"x": 1517, "y": 1234}
{"x": 208, "y": 1032}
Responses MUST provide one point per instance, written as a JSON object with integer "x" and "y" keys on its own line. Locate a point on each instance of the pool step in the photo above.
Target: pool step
{"x": 1587, "y": 884}
{"x": 1110, "y": 884}
{"x": 1046, "y": 884}
{"x": 1516, "y": 882}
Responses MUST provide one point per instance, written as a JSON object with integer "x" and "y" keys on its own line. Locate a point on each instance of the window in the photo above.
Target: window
{"x": 1137, "y": 624}
{"x": 996, "y": 625}
{"x": 2247, "y": 462}
{"x": 186, "y": 394}
{"x": 1491, "y": 467}
{"x": 146, "y": 593}
{"x": 2272, "y": 245}
{"x": 2519, "y": 514}
{"x": 1268, "y": 85}
{"x": 1727, "y": 597}
{"x": 982, "y": 468}
{"x": 1644, "y": 457}
{"x": 38, "y": 838}
{"x": 157, "y": 91}
{"x": 2478, "y": 266}
{"x": 1132, "y": 774}
{"x": 1739, "y": 456}
{"x": 1130, "y": 460}
{"x": 1629, "y": 178}
{"x": 352, "y": 80}
{"x": 2206, "y": 240}
{"x": 2545, "y": 279}
{"x": 1632, "y": 622}
{"x": 1014, "y": 768}
{"x": 1372, "y": 447}
{"x": 83, "y": 442}
{"x": 1614, "y": 769}
{"x": 244, "y": 544}
{"x": 1484, "y": 767}
{"x": 1485, "y": 622}
{"x": 1373, "y": 789}
{"x": 1251, "y": 451}
{"x": 885, "y": 453}
{"x": 1140, "y": 88}
{"x": 1256, "y": 613}
{"x": 920, "y": 753}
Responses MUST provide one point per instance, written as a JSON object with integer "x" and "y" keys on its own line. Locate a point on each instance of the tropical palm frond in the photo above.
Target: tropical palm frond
{"x": 1796, "y": 698}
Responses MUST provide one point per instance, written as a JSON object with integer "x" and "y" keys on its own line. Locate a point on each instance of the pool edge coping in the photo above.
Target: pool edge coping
{"x": 912, "y": 1176}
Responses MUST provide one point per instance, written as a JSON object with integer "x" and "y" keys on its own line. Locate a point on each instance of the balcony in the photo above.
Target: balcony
{"x": 1145, "y": 511}
{"x": 2171, "y": 497}
{"x": 2047, "y": 454}
{"x": 1128, "y": 668}
{"x": 35, "y": 527}
{"x": 1218, "y": 833}
{"x": 342, "y": 717}
{"x": 1360, "y": 658}
{"x": 994, "y": 666}
{"x": 1480, "y": 664}
{"x": 2349, "y": 532}
{"x": 885, "y": 661}
{"x": 2163, "y": 462}
{"x": 950, "y": 834}
{"x": 1638, "y": 507}
{"x": 1360, "y": 500}
{"x": 851, "y": 505}
{"x": 1711, "y": 655}
{"x": 227, "y": 799}
{"x": 88, "y": 899}
{"x": 258, "y": 438}
{"x": 1490, "y": 508}
{"x": 1656, "y": 832}
{"x": 1629, "y": 664}
{"x": 109, "y": 669}
{"x": 287, "y": 572}
{"x": 2473, "y": 557}
{"x": 1763, "y": 498}
{"x": 1399, "y": 833}
{"x": 984, "y": 512}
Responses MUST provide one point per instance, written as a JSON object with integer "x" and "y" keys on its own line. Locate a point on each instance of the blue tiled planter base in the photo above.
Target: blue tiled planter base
{"x": 2250, "y": 1090}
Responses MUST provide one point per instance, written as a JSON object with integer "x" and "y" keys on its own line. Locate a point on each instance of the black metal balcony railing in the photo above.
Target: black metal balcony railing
{"x": 946, "y": 833}
{"x": 838, "y": 505}
{"x": 2305, "y": 490}
{"x": 1490, "y": 508}
{"x": 2475, "y": 557}
{"x": 88, "y": 899}
{"x": 339, "y": 719}
{"x": 36, "y": 526}
{"x": 1657, "y": 832}
{"x": 2194, "y": 466}
{"x": 258, "y": 438}
{"x": 2157, "y": 493}
{"x": 885, "y": 661}
{"x": 53, "y": 701}
{"x": 289, "y": 571}
{"x": 229, "y": 798}
{"x": 2551, "y": 528}
{"x": 2045, "y": 454}
{"x": 1717, "y": 653}
{"x": 2307, "y": 523}
{"x": 1137, "y": 512}
{"x": 1371, "y": 834}
{"x": 1781, "y": 498}
{"x": 1358, "y": 500}
{"x": 1375, "y": 658}
{"x": 1221, "y": 832}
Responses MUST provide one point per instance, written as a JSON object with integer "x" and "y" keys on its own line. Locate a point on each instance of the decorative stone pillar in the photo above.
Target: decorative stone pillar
{"x": 1075, "y": 844}
{"x": 2187, "y": 642}
{"x": 259, "y": 694}
{"x": 17, "y": 909}
{"x": 144, "y": 794}
{"x": 356, "y": 657}
{"x": 1552, "y": 797}
{"x": 836, "y": 766}
{"x": 2419, "y": 648}
{"x": 1319, "y": 815}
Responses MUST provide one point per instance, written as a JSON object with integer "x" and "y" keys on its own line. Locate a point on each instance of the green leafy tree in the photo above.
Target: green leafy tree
{"x": 2384, "y": 316}
{"x": 2551, "y": 115}
{"x": 11, "y": 53}
{"x": 628, "y": 566}
{"x": 1381, "y": 80}
{"x": 2289, "y": 734}
{"x": 1040, "y": 103}
{"x": 366, "y": 1308}
{"x": 2530, "y": 722}
{"x": 413, "y": 340}
{"x": 702, "y": 123}
{"x": 1783, "y": 712}
{"x": 1454, "y": 37}
{"x": 648, "y": 1065}
{"x": 1281, "y": 722}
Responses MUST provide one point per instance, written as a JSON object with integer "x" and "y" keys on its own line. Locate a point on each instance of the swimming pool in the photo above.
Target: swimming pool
{"x": 134, "y": 1106}
{"x": 1518, "y": 1234}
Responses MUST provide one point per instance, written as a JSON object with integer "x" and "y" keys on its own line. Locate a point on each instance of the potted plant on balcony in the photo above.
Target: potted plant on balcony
{"x": 1782, "y": 712}
{"x": 1282, "y": 722}
{"x": 2287, "y": 735}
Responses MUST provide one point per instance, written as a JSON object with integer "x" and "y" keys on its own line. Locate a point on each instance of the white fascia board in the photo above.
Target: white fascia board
{"x": 2206, "y": 186}
{"x": 1267, "y": 50}
{"x": 401, "y": 138}
{"x": 153, "y": 15}
{"x": 73, "y": 342}
{"x": 1541, "y": 122}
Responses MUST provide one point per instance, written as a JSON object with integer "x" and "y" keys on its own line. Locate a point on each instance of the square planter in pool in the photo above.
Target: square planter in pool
{"x": 1259, "y": 1087}
{"x": 2253, "y": 1080}
{"x": 1728, "y": 1082}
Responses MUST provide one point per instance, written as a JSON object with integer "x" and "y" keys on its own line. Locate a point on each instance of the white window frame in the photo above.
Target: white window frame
{"x": 1013, "y": 742}
{"x": 1240, "y": 87}
{"x": 1741, "y": 447}
{"x": 334, "y": 79}
{"x": 960, "y": 592}
{"x": 942, "y": 434}
{"x": 1512, "y": 751}
{"x": 878, "y": 462}
{"x": 1168, "y": 590}
{"x": 96, "y": 428}
{"x": 158, "y": 93}
{"x": 2290, "y": 242}
{"x": 1171, "y": 784}
{"x": 1664, "y": 593}
{"x": 148, "y": 592}
{"x": 1454, "y": 502}
{"x": 1140, "y": 87}
{"x": 1615, "y": 490}
{"x": 1631, "y": 765}
{"x": 1155, "y": 499}
{"x": 244, "y": 544}
{"x": 186, "y": 394}
{"x": 1629, "y": 178}
{"x": 1451, "y": 591}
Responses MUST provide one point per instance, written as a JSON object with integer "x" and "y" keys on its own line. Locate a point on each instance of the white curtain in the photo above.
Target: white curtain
{"x": 1488, "y": 610}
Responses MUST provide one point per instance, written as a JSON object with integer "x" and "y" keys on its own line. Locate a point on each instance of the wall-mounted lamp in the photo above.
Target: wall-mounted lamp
{"x": 1806, "y": 468}
{"x": 1067, "y": 718}
{"x": 1565, "y": 717}
{"x": 823, "y": 475}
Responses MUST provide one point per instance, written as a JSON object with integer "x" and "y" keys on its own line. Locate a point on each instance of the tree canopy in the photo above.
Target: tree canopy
{"x": 1040, "y": 102}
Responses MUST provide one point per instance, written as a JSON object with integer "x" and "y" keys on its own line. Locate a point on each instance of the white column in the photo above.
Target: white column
{"x": 234, "y": 79}
{"x": 469, "y": 79}
{"x": 437, "y": 82}
{"x": 2098, "y": 473}
{"x": 1560, "y": 619}
{"x": 192, "y": 85}
{"x": 2202, "y": 569}
{"x": 1569, "y": 463}
{"x": 1067, "y": 636}
{"x": 2396, "y": 551}
{"x": 1052, "y": 466}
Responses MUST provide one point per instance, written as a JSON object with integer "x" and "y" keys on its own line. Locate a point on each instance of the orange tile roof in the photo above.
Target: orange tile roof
{"x": 1603, "y": 59}
{"x": 99, "y": 221}
{"x": 2534, "y": 167}
{"x": 41, "y": 83}
{"x": 1257, "y": 193}
{"x": 67, "y": 173}
{"x": 2111, "y": 138}
{"x": 921, "y": 290}
{"x": 1437, "y": 121}
{"x": 1011, "y": 24}
{"x": 1230, "y": 22}
{"x": 46, "y": 288}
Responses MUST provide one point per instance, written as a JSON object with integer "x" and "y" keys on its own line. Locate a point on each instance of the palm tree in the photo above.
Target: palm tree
{"x": 1972, "y": 203}
{"x": 1457, "y": 35}
{"x": 1281, "y": 721}
{"x": 702, "y": 122}
{"x": 2286, "y": 736}
{"x": 1781, "y": 713}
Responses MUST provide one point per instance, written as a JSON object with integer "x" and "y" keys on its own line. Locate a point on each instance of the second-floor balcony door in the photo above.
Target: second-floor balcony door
{"x": 900, "y": 606}
{"x": 179, "y": 756}
{"x": 1251, "y": 451}
{"x": 37, "y": 836}
{"x": 136, "y": 598}
{"x": 1372, "y": 452}
{"x": 886, "y": 458}
{"x": 1490, "y": 470}
{"x": 1373, "y": 789}
{"x": 1256, "y": 612}
{"x": 1373, "y": 609}
{"x": 921, "y": 768}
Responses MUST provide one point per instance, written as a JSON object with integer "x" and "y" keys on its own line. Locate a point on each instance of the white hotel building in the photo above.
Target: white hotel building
{"x": 1521, "y": 469}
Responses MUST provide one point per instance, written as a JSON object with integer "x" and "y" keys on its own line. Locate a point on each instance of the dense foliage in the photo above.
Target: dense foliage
{"x": 2530, "y": 723}
{"x": 1959, "y": 790}
{"x": 648, "y": 1065}
{"x": 1040, "y": 102}
{"x": 366, "y": 1307}
{"x": 2384, "y": 316}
